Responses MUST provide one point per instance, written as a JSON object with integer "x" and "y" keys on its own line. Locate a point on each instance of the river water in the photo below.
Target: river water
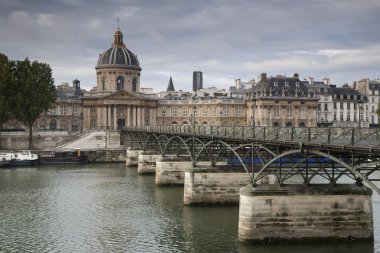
{"x": 109, "y": 208}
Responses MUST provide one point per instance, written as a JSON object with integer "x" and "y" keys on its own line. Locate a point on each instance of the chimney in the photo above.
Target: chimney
{"x": 296, "y": 75}
{"x": 311, "y": 80}
{"x": 263, "y": 76}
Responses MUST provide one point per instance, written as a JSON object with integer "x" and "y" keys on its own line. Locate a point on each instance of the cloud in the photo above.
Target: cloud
{"x": 224, "y": 39}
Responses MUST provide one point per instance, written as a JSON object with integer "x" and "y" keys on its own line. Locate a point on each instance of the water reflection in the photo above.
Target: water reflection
{"x": 109, "y": 208}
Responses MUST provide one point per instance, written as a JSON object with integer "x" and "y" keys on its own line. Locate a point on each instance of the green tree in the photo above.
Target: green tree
{"x": 378, "y": 109}
{"x": 34, "y": 92}
{"x": 5, "y": 83}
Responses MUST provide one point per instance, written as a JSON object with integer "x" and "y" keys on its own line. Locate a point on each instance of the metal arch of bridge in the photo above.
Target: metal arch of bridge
{"x": 353, "y": 153}
{"x": 300, "y": 162}
{"x": 241, "y": 152}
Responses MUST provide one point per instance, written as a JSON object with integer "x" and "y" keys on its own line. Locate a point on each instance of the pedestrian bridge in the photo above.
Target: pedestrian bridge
{"x": 294, "y": 155}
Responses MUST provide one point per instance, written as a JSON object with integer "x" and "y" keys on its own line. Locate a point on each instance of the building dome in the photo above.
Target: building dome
{"x": 118, "y": 54}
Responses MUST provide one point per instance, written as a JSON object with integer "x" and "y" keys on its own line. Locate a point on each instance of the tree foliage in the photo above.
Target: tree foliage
{"x": 33, "y": 91}
{"x": 378, "y": 109}
{"x": 5, "y": 83}
{"x": 5, "y": 79}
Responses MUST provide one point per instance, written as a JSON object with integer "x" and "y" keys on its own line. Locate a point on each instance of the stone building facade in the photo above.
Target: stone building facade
{"x": 370, "y": 89}
{"x": 281, "y": 102}
{"x": 207, "y": 111}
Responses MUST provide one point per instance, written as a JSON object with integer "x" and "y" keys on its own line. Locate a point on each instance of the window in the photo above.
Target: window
{"x": 63, "y": 124}
{"x": 286, "y": 84}
{"x": 174, "y": 111}
{"x": 326, "y": 107}
{"x": 93, "y": 123}
{"x": 373, "y": 109}
{"x": 134, "y": 84}
{"x": 75, "y": 110}
{"x": 163, "y": 111}
{"x": 334, "y": 116}
{"x": 297, "y": 84}
{"x": 93, "y": 109}
{"x": 53, "y": 111}
{"x": 120, "y": 83}
{"x": 341, "y": 105}
{"x": 185, "y": 111}
{"x": 348, "y": 117}
{"x": 63, "y": 110}
{"x": 355, "y": 118}
{"x": 289, "y": 111}
{"x": 205, "y": 111}
{"x": 348, "y": 106}
{"x": 53, "y": 124}
{"x": 341, "y": 116}
{"x": 275, "y": 83}
{"x": 303, "y": 111}
{"x": 226, "y": 111}
{"x": 238, "y": 112}
{"x": 213, "y": 112}
{"x": 195, "y": 112}
{"x": 277, "y": 111}
{"x": 319, "y": 107}
{"x": 334, "y": 105}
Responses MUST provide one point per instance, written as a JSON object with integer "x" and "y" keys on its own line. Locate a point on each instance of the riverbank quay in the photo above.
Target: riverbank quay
{"x": 305, "y": 213}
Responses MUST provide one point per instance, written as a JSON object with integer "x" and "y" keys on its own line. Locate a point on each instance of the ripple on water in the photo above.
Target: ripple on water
{"x": 107, "y": 208}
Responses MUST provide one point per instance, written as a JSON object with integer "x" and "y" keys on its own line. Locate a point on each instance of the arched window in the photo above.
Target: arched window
{"x": 174, "y": 123}
{"x": 302, "y": 124}
{"x": 53, "y": 124}
{"x": 134, "y": 84}
{"x": 120, "y": 83}
{"x": 289, "y": 124}
{"x": 276, "y": 124}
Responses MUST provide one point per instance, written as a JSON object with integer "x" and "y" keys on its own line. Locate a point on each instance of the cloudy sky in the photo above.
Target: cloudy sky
{"x": 225, "y": 39}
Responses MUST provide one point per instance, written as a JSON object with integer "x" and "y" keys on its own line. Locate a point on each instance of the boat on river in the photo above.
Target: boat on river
{"x": 23, "y": 158}
{"x": 63, "y": 157}
{"x": 5, "y": 159}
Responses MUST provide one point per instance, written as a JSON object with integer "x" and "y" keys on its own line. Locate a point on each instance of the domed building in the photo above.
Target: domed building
{"x": 118, "y": 102}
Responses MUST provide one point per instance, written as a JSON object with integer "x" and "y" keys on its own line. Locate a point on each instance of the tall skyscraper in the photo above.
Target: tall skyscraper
{"x": 197, "y": 80}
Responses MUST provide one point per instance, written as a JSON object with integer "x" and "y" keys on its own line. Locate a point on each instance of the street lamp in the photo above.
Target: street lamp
{"x": 81, "y": 122}
{"x": 193, "y": 149}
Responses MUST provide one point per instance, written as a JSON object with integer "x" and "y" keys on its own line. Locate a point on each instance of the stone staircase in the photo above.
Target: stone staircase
{"x": 90, "y": 141}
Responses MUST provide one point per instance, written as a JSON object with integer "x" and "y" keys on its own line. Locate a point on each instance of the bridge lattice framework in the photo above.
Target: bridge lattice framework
{"x": 293, "y": 155}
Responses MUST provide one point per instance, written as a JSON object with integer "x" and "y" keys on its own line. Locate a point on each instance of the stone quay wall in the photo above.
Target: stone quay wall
{"x": 42, "y": 140}
{"x": 291, "y": 213}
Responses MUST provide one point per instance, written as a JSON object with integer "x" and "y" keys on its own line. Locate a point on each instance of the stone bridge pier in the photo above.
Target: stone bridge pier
{"x": 291, "y": 213}
{"x": 132, "y": 157}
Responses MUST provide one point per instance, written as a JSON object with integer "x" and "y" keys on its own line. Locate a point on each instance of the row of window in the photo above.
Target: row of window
{"x": 64, "y": 110}
{"x": 204, "y": 112}
{"x": 120, "y": 84}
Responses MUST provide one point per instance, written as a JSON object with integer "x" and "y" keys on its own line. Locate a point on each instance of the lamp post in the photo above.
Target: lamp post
{"x": 193, "y": 149}
{"x": 81, "y": 122}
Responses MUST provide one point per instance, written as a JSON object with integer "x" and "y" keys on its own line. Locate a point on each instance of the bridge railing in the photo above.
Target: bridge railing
{"x": 343, "y": 136}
